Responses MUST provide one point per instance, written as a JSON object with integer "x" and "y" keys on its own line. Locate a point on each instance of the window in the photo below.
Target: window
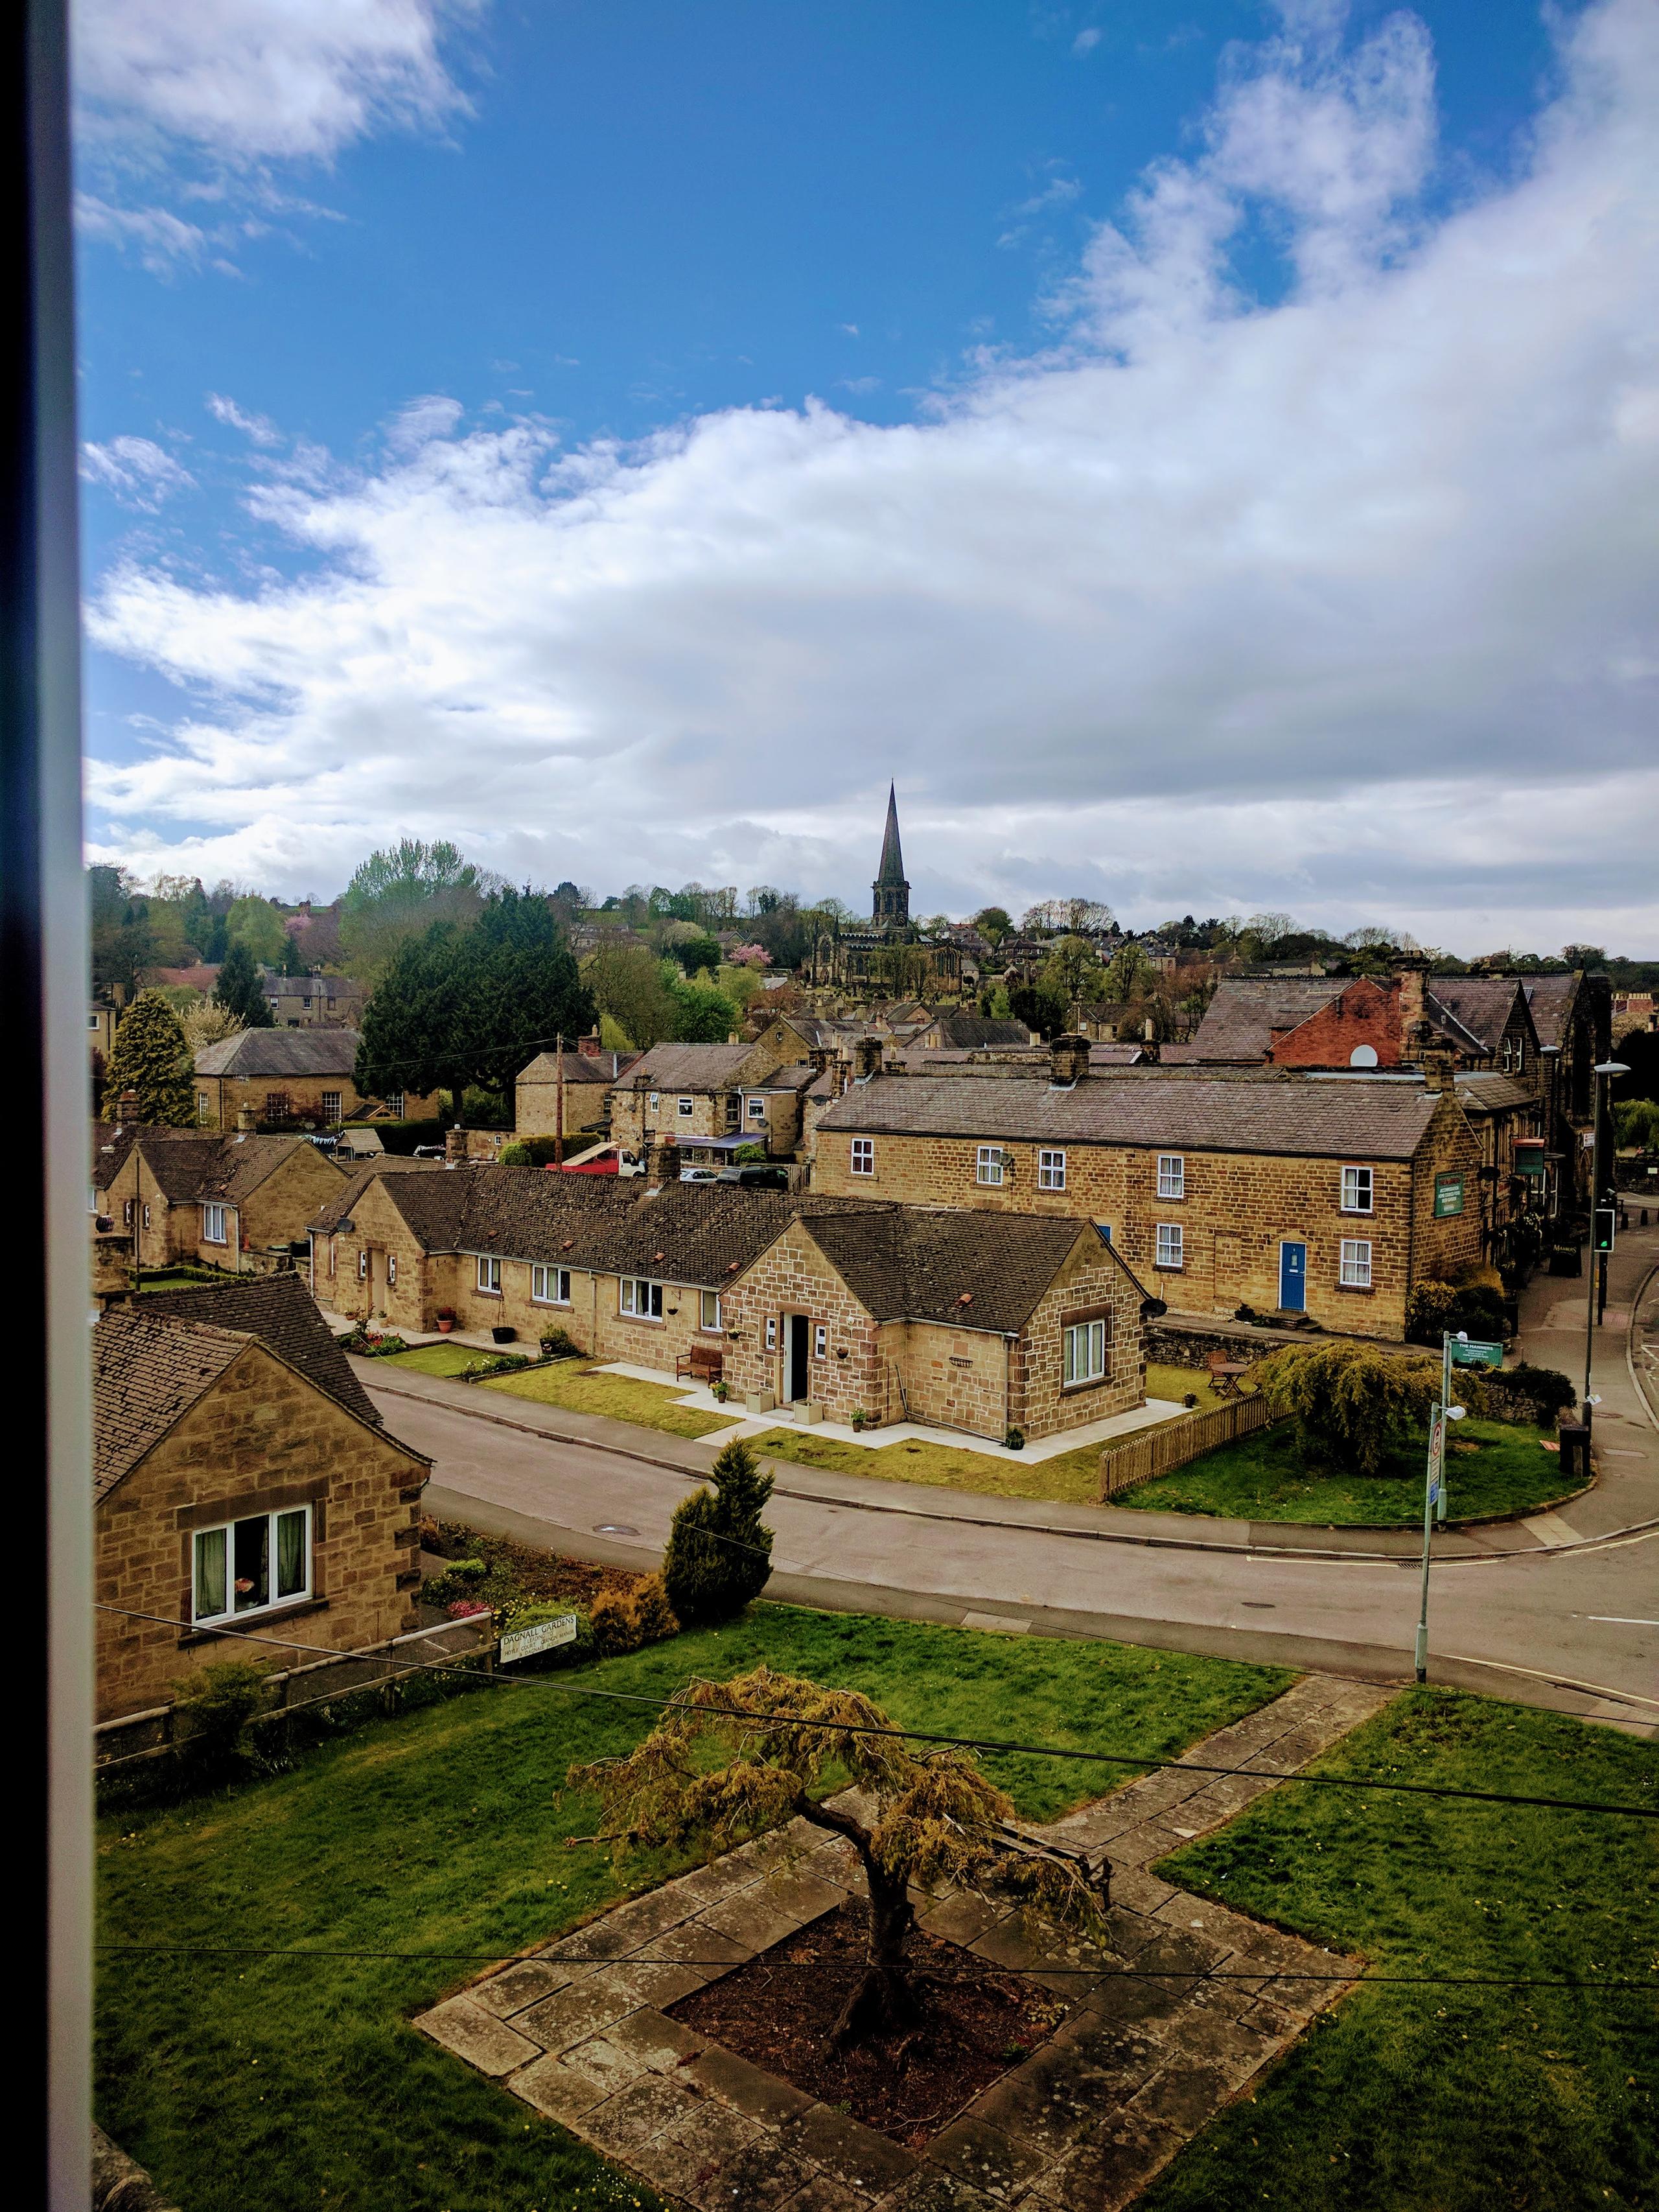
{"x": 248, "y": 1565}
{"x": 362, "y": 1265}
{"x": 92, "y": 1021}
{"x": 213, "y": 1225}
{"x": 147, "y": 1217}
{"x": 394, "y": 1104}
{"x": 771, "y": 1332}
{"x": 489, "y": 1275}
{"x": 276, "y": 1106}
{"x": 332, "y": 1102}
{"x": 1051, "y": 1171}
{"x": 709, "y": 1309}
{"x": 1355, "y": 1273}
{"x": 754, "y": 1108}
{"x": 1355, "y": 1190}
{"x": 203, "y": 1107}
{"x": 864, "y": 1155}
{"x": 91, "y": 1198}
{"x": 129, "y": 1206}
{"x": 550, "y": 1286}
{"x": 820, "y": 1340}
{"x": 1171, "y": 1176}
{"x": 683, "y": 1107}
{"x": 641, "y": 1299}
{"x": 1169, "y": 1245}
{"x": 989, "y": 1164}
{"x": 1085, "y": 1352}
{"x": 392, "y": 1271}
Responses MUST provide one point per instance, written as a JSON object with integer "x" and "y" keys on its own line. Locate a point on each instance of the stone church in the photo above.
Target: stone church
{"x": 887, "y": 957}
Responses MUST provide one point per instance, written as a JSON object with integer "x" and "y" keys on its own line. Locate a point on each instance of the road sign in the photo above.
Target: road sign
{"x": 1476, "y": 1355}
{"x": 541, "y": 1636}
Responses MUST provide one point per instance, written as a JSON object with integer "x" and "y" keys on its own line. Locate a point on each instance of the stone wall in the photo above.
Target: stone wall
{"x": 226, "y": 1097}
{"x": 260, "y": 1439}
{"x": 793, "y": 1276}
{"x": 1043, "y": 1405}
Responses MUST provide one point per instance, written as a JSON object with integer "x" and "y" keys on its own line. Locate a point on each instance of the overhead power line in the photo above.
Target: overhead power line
{"x": 1142, "y": 1761}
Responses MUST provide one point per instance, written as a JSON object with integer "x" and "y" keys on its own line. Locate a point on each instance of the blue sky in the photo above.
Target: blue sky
{"x": 619, "y": 436}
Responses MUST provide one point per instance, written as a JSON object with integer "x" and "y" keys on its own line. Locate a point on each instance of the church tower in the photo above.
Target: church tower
{"x": 890, "y": 908}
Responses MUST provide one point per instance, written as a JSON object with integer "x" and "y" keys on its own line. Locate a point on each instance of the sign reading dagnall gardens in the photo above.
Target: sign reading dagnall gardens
{"x": 542, "y": 1636}
{"x": 1447, "y": 1194}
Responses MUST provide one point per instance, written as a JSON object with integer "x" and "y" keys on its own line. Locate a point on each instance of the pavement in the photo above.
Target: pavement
{"x": 1560, "y": 1609}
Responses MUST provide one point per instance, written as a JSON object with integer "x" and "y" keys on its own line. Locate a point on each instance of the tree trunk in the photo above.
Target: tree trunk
{"x": 884, "y": 2003}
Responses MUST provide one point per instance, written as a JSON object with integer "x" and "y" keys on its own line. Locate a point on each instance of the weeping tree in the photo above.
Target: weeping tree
{"x": 728, "y": 1760}
{"x": 1352, "y": 1404}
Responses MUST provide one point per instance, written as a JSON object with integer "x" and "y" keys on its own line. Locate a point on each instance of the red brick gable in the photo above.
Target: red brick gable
{"x": 1367, "y": 1012}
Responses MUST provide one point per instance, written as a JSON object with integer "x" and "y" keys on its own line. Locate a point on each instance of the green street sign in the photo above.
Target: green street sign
{"x": 1476, "y": 1355}
{"x": 1448, "y": 1194}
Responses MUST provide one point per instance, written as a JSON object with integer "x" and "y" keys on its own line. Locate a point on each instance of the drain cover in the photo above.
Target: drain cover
{"x": 615, "y": 1528}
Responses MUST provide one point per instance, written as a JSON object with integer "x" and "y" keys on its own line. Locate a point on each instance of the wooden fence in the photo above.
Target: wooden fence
{"x": 1173, "y": 1444}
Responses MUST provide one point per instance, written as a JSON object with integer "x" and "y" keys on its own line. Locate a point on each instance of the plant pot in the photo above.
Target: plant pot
{"x": 444, "y": 1328}
{"x": 502, "y": 1335}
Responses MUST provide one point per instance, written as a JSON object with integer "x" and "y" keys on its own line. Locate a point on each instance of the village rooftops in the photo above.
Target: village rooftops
{"x": 603, "y": 1068}
{"x": 1290, "y": 1116}
{"x": 282, "y": 1313}
{"x": 1241, "y": 1020}
{"x": 687, "y": 1068}
{"x": 191, "y": 1166}
{"x": 251, "y": 1053}
{"x": 911, "y": 1263}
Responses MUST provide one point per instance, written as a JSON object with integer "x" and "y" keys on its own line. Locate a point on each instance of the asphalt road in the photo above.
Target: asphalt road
{"x": 1565, "y": 1622}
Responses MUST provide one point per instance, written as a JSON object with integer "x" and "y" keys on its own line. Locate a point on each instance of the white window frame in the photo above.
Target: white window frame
{"x": 709, "y": 1311}
{"x": 204, "y": 1106}
{"x": 820, "y": 1340}
{"x": 129, "y": 1212}
{"x": 754, "y": 1109}
{"x": 1082, "y": 1352}
{"x": 1171, "y": 1175}
{"x": 1358, "y": 1190}
{"x": 392, "y": 1271}
{"x": 214, "y": 1231}
{"x": 861, "y": 1158}
{"x": 540, "y": 1277}
{"x": 771, "y": 1332}
{"x": 1169, "y": 1247}
{"x": 394, "y": 1104}
{"x": 990, "y": 1163}
{"x": 1354, "y": 1265}
{"x": 684, "y": 1108}
{"x": 92, "y": 1021}
{"x": 274, "y": 1598}
{"x": 640, "y": 1298}
{"x": 489, "y": 1278}
{"x": 333, "y": 1107}
{"x": 1051, "y": 1169}
{"x": 362, "y": 1263}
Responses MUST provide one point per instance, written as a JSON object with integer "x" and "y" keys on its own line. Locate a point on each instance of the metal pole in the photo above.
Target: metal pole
{"x": 1594, "y": 1196}
{"x": 1422, "y": 1657}
{"x": 1445, "y": 1400}
{"x": 558, "y": 1103}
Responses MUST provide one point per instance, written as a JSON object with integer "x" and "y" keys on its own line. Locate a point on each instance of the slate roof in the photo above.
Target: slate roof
{"x": 907, "y": 1264}
{"x": 1239, "y": 1021}
{"x": 1481, "y": 1004}
{"x": 1124, "y": 1054}
{"x": 1481, "y": 1092}
{"x": 1549, "y": 998}
{"x": 254, "y": 1053}
{"x": 600, "y": 1067}
{"x": 221, "y": 1168}
{"x": 687, "y": 1068}
{"x": 148, "y": 1369}
{"x": 1290, "y": 1116}
{"x": 979, "y": 1032}
{"x": 280, "y": 1312}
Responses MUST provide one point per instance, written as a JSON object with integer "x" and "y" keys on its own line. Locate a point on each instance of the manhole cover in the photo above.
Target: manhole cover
{"x": 615, "y": 1528}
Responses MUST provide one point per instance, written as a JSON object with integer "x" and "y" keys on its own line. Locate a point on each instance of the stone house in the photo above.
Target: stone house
{"x": 238, "y": 1203}
{"x": 1573, "y": 1017}
{"x": 313, "y": 1000}
{"x": 241, "y": 1478}
{"x": 695, "y": 1093}
{"x": 1506, "y": 1115}
{"x": 584, "y": 1079}
{"x": 1334, "y": 1022}
{"x": 1328, "y": 1195}
{"x": 906, "y": 1313}
{"x": 293, "y": 1078}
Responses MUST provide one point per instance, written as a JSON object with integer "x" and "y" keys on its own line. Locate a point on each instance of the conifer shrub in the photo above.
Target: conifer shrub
{"x": 151, "y": 1056}
{"x": 720, "y": 1554}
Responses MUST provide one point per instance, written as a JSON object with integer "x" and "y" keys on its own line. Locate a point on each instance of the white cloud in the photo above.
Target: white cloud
{"x": 163, "y": 240}
{"x": 1086, "y": 41}
{"x": 134, "y": 470}
{"x": 1341, "y": 604}
{"x": 259, "y": 428}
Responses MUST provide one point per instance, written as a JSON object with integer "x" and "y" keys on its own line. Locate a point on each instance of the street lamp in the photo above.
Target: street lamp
{"x": 1604, "y": 1069}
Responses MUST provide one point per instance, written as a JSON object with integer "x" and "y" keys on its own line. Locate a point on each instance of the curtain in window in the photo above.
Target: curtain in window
{"x": 291, "y": 1553}
{"x": 209, "y": 1573}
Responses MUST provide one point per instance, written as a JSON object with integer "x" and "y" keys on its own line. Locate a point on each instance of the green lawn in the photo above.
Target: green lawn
{"x": 584, "y": 1390}
{"x": 436, "y": 1358}
{"x": 1264, "y": 1478}
{"x": 1423, "y": 2099}
{"x": 1071, "y": 1477}
{"x": 177, "y": 1278}
{"x": 297, "y": 2084}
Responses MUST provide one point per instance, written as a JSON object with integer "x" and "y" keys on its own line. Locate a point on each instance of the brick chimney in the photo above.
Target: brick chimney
{"x": 866, "y": 1059}
{"x": 1069, "y": 1061}
{"x": 126, "y": 1106}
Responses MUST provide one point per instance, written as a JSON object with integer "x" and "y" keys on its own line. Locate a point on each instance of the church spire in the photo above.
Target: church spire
{"x": 892, "y": 894}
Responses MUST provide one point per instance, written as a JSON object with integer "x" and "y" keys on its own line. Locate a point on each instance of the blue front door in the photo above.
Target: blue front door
{"x": 1292, "y": 1278}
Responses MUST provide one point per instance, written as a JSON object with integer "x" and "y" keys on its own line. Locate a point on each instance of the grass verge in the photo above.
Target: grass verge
{"x": 585, "y": 1390}
{"x": 1437, "y": 2099}
{"x": 435, "y": 1359}
{"x": 298, "y": 2084}
{"x": 1493, "y": 1467}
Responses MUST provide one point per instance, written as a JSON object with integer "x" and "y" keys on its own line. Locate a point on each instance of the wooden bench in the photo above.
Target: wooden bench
{"x": 702, "y": 1363}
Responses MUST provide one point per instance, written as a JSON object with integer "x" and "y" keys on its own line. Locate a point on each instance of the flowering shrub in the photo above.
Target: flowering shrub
{"x": 466, "y": 1608}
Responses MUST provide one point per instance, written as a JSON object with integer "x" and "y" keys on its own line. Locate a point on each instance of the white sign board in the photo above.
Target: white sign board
{"x": 544, "y": 1635}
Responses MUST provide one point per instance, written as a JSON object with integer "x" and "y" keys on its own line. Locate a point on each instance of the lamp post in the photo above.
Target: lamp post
{"x": 1598, "y": 1264}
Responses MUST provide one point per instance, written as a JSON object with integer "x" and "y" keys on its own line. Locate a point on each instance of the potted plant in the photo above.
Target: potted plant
{"x": 720, "y": 1391}
{"x": 1015, "y": 1440}
{"x": 445, "y": 1318}
{"x": 857, "y": 1417}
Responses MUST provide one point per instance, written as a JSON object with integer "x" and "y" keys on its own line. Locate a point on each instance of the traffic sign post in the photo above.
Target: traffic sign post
{"x": 1432, "y": 1495}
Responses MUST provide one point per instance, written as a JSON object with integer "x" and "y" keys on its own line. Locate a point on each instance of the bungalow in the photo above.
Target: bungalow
{"x": 241, "y": 1478}
{"x": 237, "y": 1202}
{"x": 292, "y": 1077}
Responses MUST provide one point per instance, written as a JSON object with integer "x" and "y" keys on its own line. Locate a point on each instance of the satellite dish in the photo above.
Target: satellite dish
{"x": 1362, "y": 1055}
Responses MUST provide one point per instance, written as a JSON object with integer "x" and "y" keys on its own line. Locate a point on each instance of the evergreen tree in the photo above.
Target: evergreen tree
{"x": 718, "y": 1555}
{"x": 238, "y": 990}
{"x": 152, "y": 1057}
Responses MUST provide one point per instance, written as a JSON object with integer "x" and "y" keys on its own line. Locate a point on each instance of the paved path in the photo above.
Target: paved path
{"x": 1555, "y": 1610}
{"x": 1172, "y": 2009}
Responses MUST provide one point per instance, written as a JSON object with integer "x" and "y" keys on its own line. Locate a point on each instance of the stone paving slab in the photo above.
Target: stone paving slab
{"x": 1172, "y": 2007}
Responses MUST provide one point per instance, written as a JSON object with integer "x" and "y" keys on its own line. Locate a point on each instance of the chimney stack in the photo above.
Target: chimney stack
{"x": 126, "y": 1106}
{"x": 1438, "y": 1073}
{"x": 1068, "y": 1060}
{"x": 1414, "y": 968}
{"x": 867, "y": 1057}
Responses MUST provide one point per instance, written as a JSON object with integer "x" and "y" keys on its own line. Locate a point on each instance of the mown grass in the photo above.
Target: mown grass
{"x": 583, "y": 1390}
{"x": 1492, "y": 1467}
{"x": 446, "y": 1360}
{"x": 1071, "y": 1477}
{"x": 1447, "y": 2100}
{"x": 297, "y": 2084}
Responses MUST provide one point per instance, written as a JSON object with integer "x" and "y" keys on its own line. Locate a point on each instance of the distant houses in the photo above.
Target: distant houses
{"x": 284, "y": 1079}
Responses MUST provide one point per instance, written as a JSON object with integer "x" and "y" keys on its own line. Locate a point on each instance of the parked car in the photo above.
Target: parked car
{"x": 700, "y": 1175}
{"x": 754, "y": 1178}
{"x": 429, "y": 1152}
